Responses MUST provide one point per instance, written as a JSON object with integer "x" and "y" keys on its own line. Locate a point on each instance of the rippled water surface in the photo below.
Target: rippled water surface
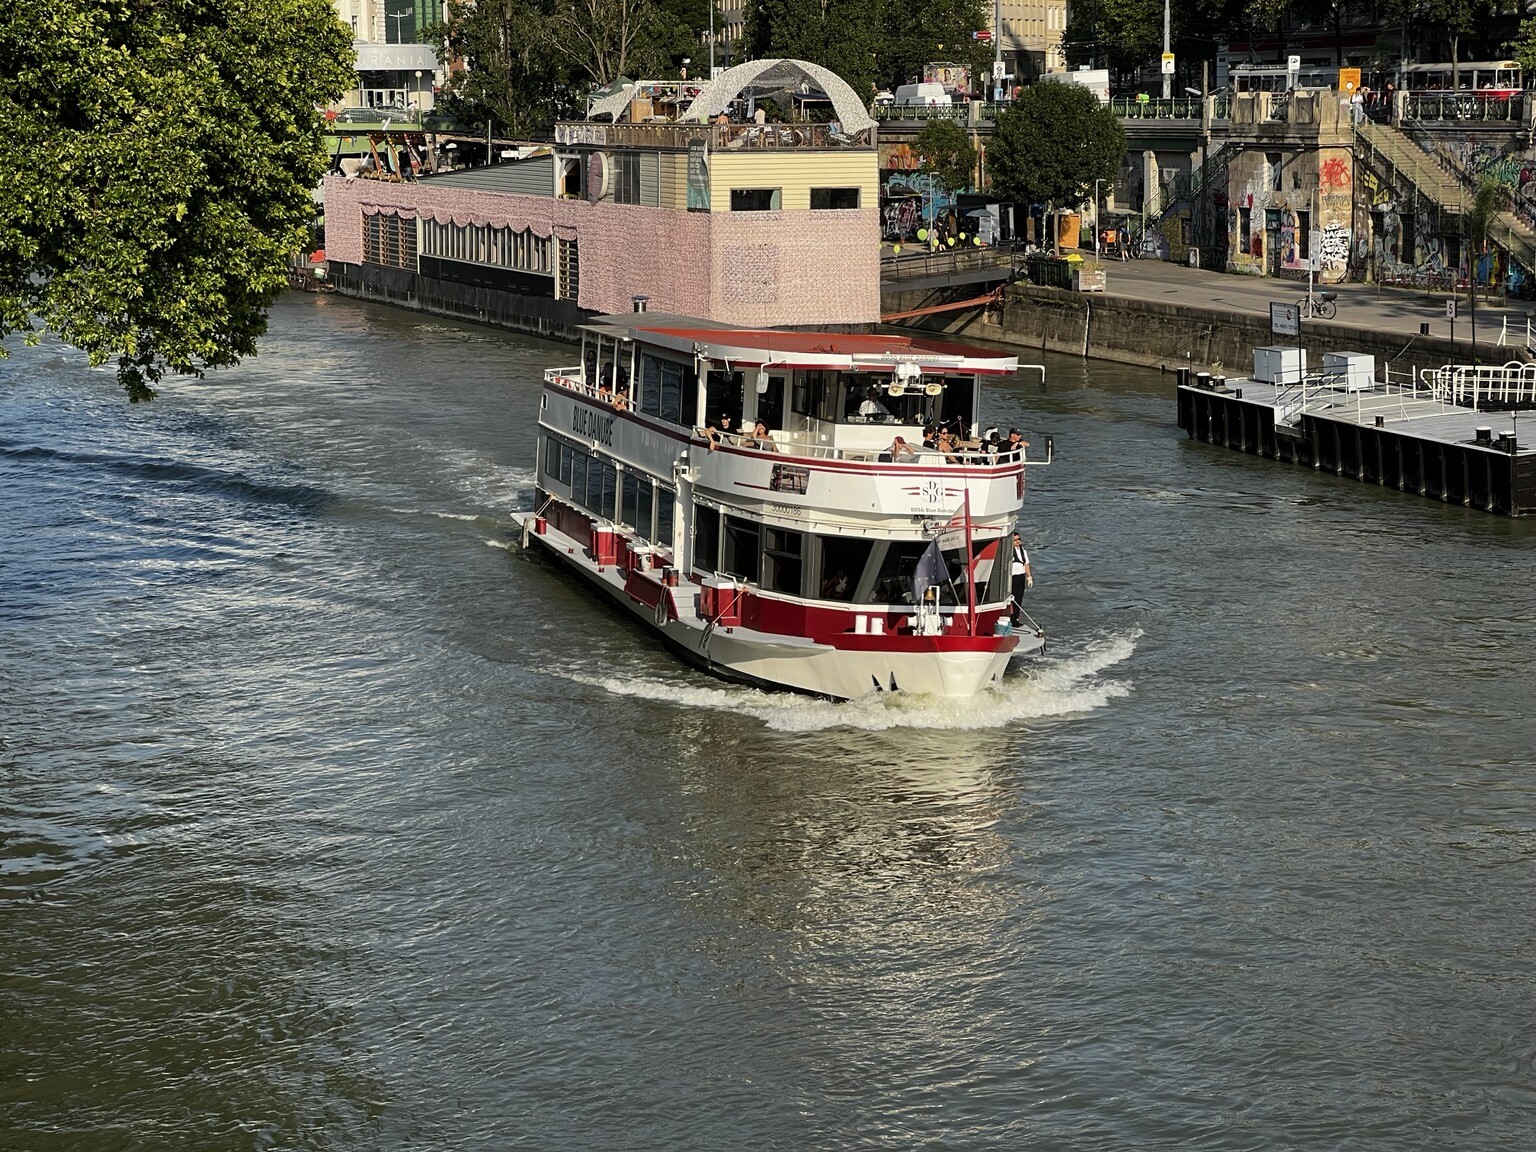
{"x": 327, "y": 820}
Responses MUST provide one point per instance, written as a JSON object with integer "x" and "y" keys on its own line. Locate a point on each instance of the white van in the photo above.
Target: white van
{"x": 923, "y": 94}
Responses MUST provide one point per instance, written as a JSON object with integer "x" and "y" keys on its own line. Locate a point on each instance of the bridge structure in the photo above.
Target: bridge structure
{"x": 1178, "y": 151}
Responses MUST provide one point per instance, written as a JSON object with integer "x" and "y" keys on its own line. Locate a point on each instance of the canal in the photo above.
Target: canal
{"x": 328, "y": 820}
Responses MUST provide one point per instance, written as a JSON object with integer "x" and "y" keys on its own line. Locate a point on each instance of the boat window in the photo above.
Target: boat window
{"x": 578, "y": 480}
{"x": 842, "y": 566}
{"x": 607, "y": 492}
{"x": 893, "y": 582}
{"x": 629, "y": 496}
{"x": 650, "y": 385}
{"x": 664, "y": 508}
{"x": 706, "y": 538}
{"x": 817, "y": 395}
{"x": 783, "y": 556}
{"x": 644, "y": 521}
{"x": 770, "y": 404}
{"x": 722, "y": 393}
{"x": 959, "y": 401}
{"x": 741, "y": 548}
{"x": 672, "y": 392}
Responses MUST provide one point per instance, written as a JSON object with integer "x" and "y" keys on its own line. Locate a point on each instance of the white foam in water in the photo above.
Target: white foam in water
{"x": 1054, "y": 687}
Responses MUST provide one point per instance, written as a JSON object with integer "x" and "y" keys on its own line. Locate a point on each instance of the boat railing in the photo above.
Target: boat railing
{"x": 784, "y": 444}
{"x": 971, "y": 457}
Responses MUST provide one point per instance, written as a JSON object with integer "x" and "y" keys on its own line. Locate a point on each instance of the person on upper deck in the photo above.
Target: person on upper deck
{"x": 761, "y": 438}
{"x": 1016, "y": 442}
{"x": 901, "y": 452}
{"x": 931, "y": 436}
{"x": 871, "y": 406}
{"x": 945, "y": 443}
{"x": 719, "y": 430}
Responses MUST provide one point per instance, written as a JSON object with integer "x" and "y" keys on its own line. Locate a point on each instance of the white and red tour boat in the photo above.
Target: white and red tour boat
{"x": 809, "y": 542}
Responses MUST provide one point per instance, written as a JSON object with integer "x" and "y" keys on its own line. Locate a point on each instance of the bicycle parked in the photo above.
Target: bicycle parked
{"x": 1321, "y": 304}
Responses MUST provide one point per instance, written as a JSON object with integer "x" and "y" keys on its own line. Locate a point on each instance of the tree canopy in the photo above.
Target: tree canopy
{"x": 163, "y": 160}
{"x": 523, "y": 58}
{"x": 870, "y": 43}
{"x": 1053, "y": 143}
{"x": 947, "y": 154}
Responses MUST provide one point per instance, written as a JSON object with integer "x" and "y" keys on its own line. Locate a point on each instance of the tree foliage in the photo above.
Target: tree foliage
{"x": 947, "y": 154}
{"x": 523, "y": 57}
{"x": 1053, "y": 143}
{"x": 163, "y": 157}
{"x": 843, "y": 35}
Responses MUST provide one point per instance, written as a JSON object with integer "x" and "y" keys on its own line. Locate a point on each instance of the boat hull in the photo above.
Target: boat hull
{"x": 939, "y": 666}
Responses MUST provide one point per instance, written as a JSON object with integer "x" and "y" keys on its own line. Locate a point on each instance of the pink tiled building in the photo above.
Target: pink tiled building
{"x": 718, "y": 214}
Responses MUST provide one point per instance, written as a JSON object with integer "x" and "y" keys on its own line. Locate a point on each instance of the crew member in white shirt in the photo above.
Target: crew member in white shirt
{"x": 1023, "y": 576}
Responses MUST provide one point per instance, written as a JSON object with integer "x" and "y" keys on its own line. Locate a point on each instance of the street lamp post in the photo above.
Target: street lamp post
{"x": 711, "y": 39}
{"x": 1097, "y": 231}
{"x": 418, "y": 95}
{"x": 397, "y": 17}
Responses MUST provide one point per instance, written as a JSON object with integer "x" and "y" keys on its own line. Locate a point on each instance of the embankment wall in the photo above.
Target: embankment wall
{"x": 1168, "y": 335}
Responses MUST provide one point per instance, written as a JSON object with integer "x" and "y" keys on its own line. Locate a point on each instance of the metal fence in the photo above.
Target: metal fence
{"x": 1468, "y": 106}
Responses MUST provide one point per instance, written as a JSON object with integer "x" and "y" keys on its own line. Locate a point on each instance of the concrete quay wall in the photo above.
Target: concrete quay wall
{"x": 1164, "y": 334}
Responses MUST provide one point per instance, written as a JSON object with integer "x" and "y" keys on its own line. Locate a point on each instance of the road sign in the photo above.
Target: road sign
{"x": 1293, "y": 63}
{"x": 1450, "y": 309}
{"x": 999, "y": 69}
{"x": 1167, "y": 63}
{"x": 984, "y": 34}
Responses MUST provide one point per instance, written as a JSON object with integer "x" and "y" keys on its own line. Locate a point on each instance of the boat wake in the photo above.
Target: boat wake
{"x": 1071, "y": 684}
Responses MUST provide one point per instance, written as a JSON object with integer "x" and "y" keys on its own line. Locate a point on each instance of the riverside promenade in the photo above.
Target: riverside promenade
{"x": 1170, "y": 316}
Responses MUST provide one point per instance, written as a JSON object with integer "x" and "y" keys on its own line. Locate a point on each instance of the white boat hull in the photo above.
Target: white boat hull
{"x": 790, "y": 662}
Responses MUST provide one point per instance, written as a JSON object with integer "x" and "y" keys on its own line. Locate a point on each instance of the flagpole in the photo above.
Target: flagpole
{"x": 970, "y": 562}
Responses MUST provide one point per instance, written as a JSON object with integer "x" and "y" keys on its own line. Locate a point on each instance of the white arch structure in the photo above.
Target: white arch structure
{"x": 764, "y": 79}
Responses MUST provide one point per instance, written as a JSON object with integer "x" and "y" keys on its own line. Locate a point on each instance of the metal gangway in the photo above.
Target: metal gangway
{"x": 1481, "y": 386}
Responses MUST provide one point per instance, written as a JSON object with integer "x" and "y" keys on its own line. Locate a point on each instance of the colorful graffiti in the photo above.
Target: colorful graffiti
{"x": 1334, "y": 174}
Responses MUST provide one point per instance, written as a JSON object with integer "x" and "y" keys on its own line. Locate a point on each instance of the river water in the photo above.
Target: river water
{"x": 328, "y": 820}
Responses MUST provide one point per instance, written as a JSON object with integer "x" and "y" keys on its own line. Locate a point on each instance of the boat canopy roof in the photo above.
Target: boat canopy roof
{"x": 773, "y": 347}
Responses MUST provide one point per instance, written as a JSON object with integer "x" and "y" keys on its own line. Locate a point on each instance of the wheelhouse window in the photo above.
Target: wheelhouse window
{"x": 834, "y": 198}
{"x": 667, "y": 390}
{"x": 755, "y": 199}
{"x": 664, "y": 509}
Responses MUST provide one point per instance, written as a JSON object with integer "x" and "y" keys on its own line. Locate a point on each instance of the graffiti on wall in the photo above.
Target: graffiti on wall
{"x": 1333, "y": 174}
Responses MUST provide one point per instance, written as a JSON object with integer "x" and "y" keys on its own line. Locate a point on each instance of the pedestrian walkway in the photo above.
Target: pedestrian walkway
{"x": 1366, "y": 306}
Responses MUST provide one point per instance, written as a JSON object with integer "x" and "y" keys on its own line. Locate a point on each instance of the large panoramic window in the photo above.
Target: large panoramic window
{"x": 482, "y": 244}
{"x": 706, "y": 538}
{"x": 389, "y": 241}
{"x": 783, "y": 552}
{"x": 824, "y": 198}
{"x": 755, "y": 200}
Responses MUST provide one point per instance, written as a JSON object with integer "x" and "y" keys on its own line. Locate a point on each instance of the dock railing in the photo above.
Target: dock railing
{"x": 1511, "y": 385}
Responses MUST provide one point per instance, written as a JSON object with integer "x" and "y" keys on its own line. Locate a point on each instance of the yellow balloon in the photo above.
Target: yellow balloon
{"x": 976, "y": 240}
{"x": 895, "y": 249}
{"x": 922, "y": 233}
{"x": 951, "y": 241}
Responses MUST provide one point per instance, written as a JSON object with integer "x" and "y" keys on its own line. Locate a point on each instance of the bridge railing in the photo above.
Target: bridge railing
{"x": 943, "y": 262}
{"x": 960, "y": 112}
{"x": 1461, "y": 106}
{"x": 1155, "y": 108}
